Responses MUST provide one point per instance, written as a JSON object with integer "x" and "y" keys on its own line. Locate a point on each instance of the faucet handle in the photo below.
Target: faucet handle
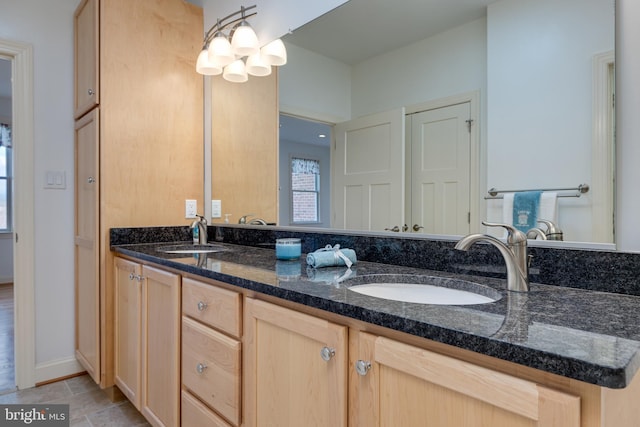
{"x": 514, "y": 236}
{"x": 202, "y": 219}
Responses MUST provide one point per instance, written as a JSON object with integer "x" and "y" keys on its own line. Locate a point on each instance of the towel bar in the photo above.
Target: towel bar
{"x": 581, "y": 189}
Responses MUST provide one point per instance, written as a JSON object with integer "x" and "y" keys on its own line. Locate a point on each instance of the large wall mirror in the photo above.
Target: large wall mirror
{"x": 535, "y": 78}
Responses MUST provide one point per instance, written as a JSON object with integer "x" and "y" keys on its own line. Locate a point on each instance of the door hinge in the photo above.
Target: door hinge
{"x": 469, "y": 122}
{"x": 16, "y": 237}
{"x": 468, "y": 217}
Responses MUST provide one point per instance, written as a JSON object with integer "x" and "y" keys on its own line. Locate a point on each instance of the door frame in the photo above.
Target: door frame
{"x": 21, "y": 56}
{"x": 477, "y": 204}
{"x": 603, "y": 148}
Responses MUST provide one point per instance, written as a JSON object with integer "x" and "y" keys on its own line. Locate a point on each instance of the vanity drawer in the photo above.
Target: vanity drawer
{"x": 217, "y": 307}
{"x": 196, "y": 414}
{"x": 211, "y": 368}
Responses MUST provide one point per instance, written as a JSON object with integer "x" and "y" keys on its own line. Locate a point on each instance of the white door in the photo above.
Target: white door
{"x": 368, "y": 162}
{"x": 440, "y": 169}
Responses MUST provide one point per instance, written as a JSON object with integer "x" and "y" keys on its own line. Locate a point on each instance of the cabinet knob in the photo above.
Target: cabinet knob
{"x": 202, "y": 306}
{"x": 327, "y": 353}
{"x": 91, "y": 180}
{"x": 362, "y": 367}
{"x": 90, "y": 92}
{"x": 132, "y": 276}
{"x": 200, "y": 367}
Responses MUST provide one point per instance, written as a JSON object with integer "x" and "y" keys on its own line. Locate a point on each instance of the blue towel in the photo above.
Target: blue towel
{"x": 331, "y": 257}
{"x": 526, "y": 205}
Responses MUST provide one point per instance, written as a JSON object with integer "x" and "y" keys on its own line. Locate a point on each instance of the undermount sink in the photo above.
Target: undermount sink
{"x": 423, "y": 289}
{"x": 191, "y": 249}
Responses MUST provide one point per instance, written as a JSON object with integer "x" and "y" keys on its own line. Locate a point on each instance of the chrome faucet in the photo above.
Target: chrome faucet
{"x": 201, "y": 223}
{"x": 514, "y": 253}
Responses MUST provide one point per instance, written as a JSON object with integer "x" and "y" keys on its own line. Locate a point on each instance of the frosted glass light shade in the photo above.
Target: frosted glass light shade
{"x": 235, "y": 72}
{"x": 257, "y": 66}
{"x": 244, "y": 41}
{"x": 220, "y": 51}
{"x": 274, "y": 53}
{"x": 205, "y": 66}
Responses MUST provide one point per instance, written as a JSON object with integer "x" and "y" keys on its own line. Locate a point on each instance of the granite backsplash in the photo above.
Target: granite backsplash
{"x": 607, "y": 271}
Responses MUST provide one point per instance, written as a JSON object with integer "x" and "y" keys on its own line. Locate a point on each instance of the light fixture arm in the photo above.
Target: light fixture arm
{"x": 222, "y": 24}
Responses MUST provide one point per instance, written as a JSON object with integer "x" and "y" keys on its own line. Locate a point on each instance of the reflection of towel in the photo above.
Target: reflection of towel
{"x": 525, "y": 210}
{"x": 547, "y": 209}
{"x": 329, "y": 275}
{"x": 331, "y": 256}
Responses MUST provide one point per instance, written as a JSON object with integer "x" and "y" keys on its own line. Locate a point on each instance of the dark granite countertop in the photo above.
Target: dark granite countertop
{"x": 586, "y": 335}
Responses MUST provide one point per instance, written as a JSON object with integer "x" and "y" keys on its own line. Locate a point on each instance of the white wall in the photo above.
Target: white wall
{"x": 627, "y": 129}
{"x": 446, "y": 64}
{"x": 314, "y": 86}
{"x": 48, "y": 26}
{"x": 538, "y": 136}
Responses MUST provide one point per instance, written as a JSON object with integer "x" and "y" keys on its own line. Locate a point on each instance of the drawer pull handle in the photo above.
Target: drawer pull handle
{"x": 202, "y": 306}
{"x": 200, "y": 367}
{"x": 363, "y": 367}
{"x": 327, "y": 353}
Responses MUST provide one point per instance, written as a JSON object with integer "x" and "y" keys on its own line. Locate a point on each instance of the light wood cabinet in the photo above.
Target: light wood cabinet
{"x": 295, "y": 368}
{"x": 150, "y": 133}
{"x": 197, "y": 414}
{"x": 160, "y": 397}
{"x": 394, "y": 384}
{"x": 211, "y": 354}
{"x": 128, "y": 328}
{"x": 86, "y": 25}
{"x": 147, "y": 340}
{"x": 86, "y": 244}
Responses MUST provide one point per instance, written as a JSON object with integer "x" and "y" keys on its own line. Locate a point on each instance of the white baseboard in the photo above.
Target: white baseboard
{"x": 57, "y": 369}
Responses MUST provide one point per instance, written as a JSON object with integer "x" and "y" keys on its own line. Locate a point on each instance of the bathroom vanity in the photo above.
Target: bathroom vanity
{"x": 240, "y": 338}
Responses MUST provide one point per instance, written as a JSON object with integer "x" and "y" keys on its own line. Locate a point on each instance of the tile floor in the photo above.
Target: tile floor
{"x": 89, "y": 406}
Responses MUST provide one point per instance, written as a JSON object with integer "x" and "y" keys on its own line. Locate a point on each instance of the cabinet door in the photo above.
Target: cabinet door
{"x": 86, "y": 35}
{"x": 160, "y": 393}
{"x": 86, "y": 252}
{"x": 128, "y": 316}
{"x": 403, "y": 385}
{"x": 294, "y": 368}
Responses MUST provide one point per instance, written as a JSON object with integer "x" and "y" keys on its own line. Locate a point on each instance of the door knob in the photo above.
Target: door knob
{"x": 395, "y": 229}
{"x": 417, "y": 227}
{"x": 363, "y": 367}
{"x": 327, "y": 353}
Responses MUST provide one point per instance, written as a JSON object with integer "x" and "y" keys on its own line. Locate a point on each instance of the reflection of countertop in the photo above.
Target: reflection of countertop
{"x": 585, "y": 335}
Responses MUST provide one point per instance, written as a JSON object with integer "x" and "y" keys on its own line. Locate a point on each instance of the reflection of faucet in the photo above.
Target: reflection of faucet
{"x": 243, "y": 218}
{"x": 553, "y": 231}
{"x": 201, "y": 223}
{"x": 535, "y": 233}
{"x": 514, "y": 254}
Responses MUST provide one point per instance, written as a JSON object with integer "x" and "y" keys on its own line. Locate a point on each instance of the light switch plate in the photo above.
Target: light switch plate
{"x": 56, "y": 180}
{"x": 216, "y": 209}
{"x": 190, "y": 208}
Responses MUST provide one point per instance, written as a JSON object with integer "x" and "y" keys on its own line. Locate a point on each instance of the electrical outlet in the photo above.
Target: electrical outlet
{"x": 190, "y": 208}
{"x": 216, "y": 209}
